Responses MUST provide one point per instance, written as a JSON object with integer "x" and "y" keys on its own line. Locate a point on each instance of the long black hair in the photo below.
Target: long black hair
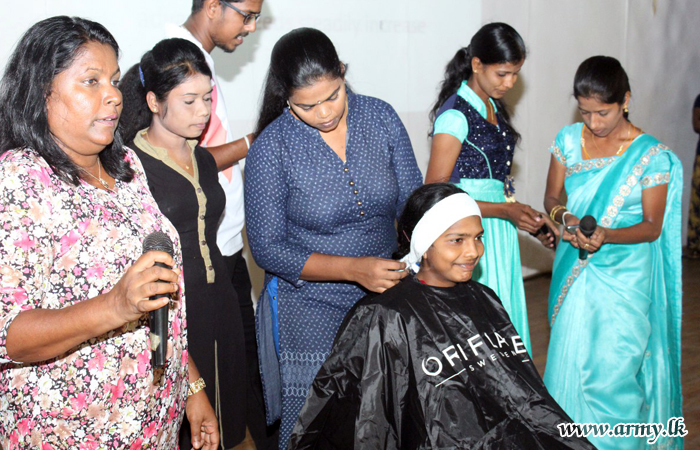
{"x": 603, "y": 78}
{"x": 48, "y": 48}
{"x": 298, "y": 59}
{"x": 418, "y": 203}
{"x": 161, "y": 70}
{"x": 494, "y": 43}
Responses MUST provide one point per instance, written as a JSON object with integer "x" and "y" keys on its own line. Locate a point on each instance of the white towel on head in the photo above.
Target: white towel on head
{"x": 436, "y": 221}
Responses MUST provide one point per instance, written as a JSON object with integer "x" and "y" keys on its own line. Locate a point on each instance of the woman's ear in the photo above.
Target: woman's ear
{"x": 342, "y": 70}
{"x": 291, "y": 110}
{"x": 626, "y": 103}
{"x": 477, "y": 65}
{"x": 152, "y": 102}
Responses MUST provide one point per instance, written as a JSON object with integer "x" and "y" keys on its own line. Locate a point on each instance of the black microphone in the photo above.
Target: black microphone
{"x": 158, "y": 241}
{"x": 587, "y": 226}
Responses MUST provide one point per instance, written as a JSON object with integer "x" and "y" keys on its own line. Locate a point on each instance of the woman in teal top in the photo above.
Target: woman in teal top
{"x": 614, "y": 351}
{"x": 473, "y": 144}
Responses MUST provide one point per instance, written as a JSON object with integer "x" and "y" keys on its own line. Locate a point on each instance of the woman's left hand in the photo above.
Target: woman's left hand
{"x": 548, "y": 232}
{"x": 203, "y": 424}
{"x": 591, "y": 244}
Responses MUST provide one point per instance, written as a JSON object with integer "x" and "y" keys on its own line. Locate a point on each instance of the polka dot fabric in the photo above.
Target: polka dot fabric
{"x": 301, "y": 198}
{"x": 488, "y": 150}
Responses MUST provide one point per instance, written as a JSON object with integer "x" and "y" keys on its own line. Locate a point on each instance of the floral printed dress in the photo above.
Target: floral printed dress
{"x": 59, "y": 245}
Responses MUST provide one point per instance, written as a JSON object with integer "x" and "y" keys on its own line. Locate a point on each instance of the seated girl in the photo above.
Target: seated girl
{"x": 433, "y": 362}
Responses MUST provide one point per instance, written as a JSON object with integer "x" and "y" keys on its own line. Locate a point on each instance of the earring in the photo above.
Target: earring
{"x": 291, "y": 111}
{"x": 626, "y": 110}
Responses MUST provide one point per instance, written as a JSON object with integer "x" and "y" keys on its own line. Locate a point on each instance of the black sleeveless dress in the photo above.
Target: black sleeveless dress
{"x": 214, "y": 326}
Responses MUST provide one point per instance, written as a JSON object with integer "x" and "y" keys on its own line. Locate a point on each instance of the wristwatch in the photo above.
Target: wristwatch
{"x": 196, "y": 386}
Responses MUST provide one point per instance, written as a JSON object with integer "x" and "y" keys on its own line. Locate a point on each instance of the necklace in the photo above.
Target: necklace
{"x": 619, "y": 151}
{"x": 490, "y": 113}
{"x": 628, "y": 140}
{"x": 583, "y": 143}
{"x": 99, "y": 175}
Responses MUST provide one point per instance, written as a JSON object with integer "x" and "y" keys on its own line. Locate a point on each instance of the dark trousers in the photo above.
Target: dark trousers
{"x": 266, "y": 438}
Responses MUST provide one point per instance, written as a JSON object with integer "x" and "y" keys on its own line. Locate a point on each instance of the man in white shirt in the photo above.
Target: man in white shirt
{"x": 225, "y": 24}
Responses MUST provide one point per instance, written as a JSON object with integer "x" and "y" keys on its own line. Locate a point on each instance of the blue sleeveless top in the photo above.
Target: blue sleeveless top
{"x": 487, "y": 149}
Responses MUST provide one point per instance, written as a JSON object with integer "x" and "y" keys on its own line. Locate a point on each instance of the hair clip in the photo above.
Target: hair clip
{"x": 143, "y": 82}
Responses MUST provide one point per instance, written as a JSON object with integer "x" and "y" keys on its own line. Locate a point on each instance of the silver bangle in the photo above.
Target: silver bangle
{"x": 247, "y": 141}
{"x": 563, "y": 217}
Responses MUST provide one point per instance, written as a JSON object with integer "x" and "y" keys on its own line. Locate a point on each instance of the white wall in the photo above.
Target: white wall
{"x": 397, "y": 50}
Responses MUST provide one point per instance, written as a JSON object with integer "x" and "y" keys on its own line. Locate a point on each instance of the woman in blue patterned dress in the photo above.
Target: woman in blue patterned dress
{"x": 473, "y": 145}
{"x": 325, "y": 180}
{"x": 614, "y": 351}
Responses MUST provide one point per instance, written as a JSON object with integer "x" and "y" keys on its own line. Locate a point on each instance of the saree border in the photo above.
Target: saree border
{"x": 575, "y": 272}
{"x": 556, "y": 151}
{"x": 611, "y": 213}
{"x": 591, "y": 164}
{"x": 631, "y": 181}
{"x": 583, "y": 166}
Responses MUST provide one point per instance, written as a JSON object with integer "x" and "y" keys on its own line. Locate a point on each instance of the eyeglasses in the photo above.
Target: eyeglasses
{"x": 247, "y": 17}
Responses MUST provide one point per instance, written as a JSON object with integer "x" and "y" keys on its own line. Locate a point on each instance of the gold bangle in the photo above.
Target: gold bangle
{"x": 555, "y": 210}
{"x": 196, "y": 386}
{"x": 562, "y": 210}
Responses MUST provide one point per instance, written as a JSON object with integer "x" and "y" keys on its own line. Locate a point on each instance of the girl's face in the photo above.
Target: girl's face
{"x": 494, "y": 80}
{"x": 321, "y": 105}
{"x": 601, "y": 118}
{"x": 454, "y": 255}
{"x": 185, "y": 112}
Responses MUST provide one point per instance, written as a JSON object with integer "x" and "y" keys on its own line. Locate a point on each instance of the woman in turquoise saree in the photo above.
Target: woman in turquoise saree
{"x": 614, "y": 351}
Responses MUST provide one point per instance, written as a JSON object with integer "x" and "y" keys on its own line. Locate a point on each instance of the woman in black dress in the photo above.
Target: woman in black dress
{"x": 167, "y": 99}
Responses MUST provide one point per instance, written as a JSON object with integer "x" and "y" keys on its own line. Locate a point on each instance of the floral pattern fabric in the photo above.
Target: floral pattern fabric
{"x": 59, "y": 245}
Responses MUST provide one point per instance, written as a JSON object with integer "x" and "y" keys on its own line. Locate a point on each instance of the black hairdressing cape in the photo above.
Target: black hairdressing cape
{"x": 421, "y": 367}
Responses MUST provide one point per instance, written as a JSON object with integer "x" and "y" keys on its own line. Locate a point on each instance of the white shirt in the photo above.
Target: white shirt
{"x": 228, "y": 236}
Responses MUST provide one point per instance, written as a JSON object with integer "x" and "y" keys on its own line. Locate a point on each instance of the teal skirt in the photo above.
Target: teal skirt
{"x": 500, "y": 267}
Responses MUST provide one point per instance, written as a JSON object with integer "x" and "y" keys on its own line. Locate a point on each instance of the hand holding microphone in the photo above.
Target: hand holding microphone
{"x": 590, "y": 237}
{"x": 158, "y": 318}
{"x": 149, "y": 277}
{"x": 587, "y": 227}
{"x": 584, "y": 235}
